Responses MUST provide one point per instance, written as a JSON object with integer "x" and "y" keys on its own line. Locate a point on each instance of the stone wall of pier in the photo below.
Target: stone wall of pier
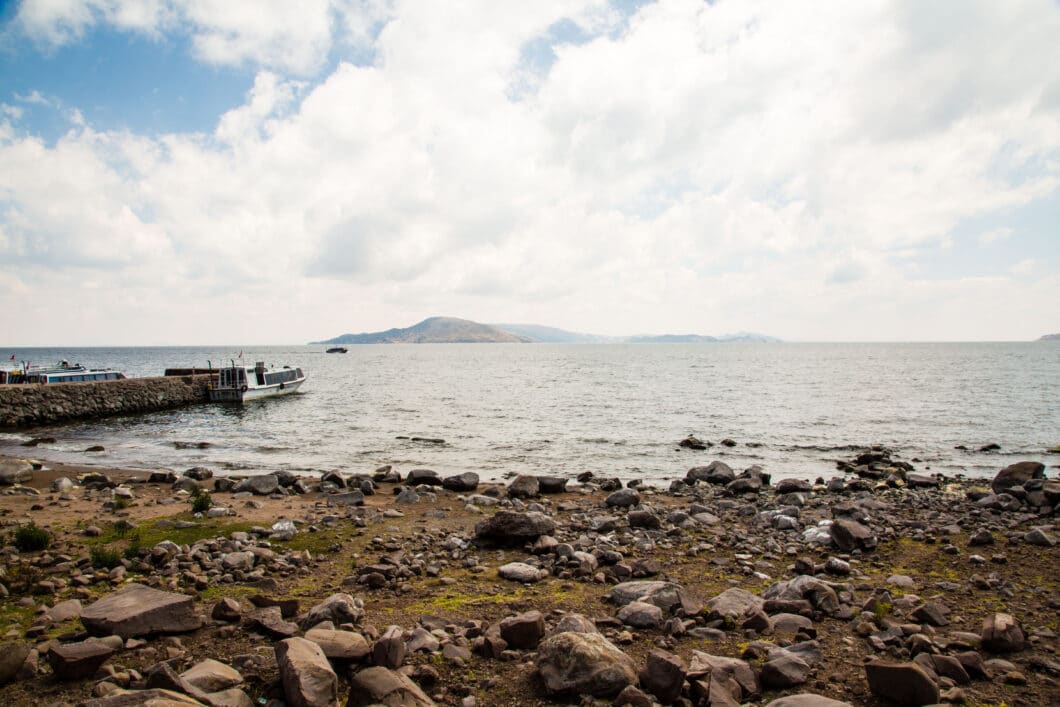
{"x": 31, "y": 405}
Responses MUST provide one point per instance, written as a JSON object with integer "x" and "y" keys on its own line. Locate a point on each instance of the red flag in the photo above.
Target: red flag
{"x": 12, "y": 357}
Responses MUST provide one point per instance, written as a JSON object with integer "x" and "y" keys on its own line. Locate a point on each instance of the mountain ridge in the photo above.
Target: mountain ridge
{"x": 451, "y": 330}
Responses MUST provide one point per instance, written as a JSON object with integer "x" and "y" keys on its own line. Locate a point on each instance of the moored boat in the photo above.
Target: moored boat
{"x": 337, "y": 349}
{"x": 239, "y": 384}
{"x": 62, "y": 372}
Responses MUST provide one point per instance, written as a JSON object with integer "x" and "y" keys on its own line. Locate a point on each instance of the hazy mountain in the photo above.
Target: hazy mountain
{"x": 435, "y": 330}
{"x": 1050, "y": 337}
{"x": 448, "y": 330}
{"x": 552, "y": 335}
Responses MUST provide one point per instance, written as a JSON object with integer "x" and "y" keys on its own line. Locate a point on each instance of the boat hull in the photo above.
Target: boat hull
{"x": 235, "y": 395}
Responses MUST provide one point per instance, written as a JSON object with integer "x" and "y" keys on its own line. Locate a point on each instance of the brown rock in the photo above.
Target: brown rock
{"x": 308, "y": 680}
{"x": 523, "y": 630}
{"x": 1002, "y": 634}
{"x": 584, "y": 663}
{"x": 380, "y": 686}
{"x": 904, "y": 683}
{"x": 75, "y": 661}
{"x": 663, "y": 675}
{"x": 137, "y": 610}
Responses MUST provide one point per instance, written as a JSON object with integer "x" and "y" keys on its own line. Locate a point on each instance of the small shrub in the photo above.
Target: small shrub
{"x": 201, "y": 502}
{"x": 132, "y": 552}
{"x": 120, "y": 503}
{"x": 104, "y": 557}
{"x": 121, "y": 528}
{"x": 32, "y": 538}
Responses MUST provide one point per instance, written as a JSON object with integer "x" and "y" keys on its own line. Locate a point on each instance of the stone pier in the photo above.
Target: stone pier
{"x": 33, "y": 404}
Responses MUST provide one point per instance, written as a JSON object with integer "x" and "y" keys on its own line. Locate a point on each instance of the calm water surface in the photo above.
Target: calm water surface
{"x": 610, "y": 409}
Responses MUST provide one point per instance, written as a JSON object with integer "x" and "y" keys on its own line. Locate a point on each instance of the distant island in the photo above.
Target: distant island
{"x": 1050, "y": 337}
{"x": 450, "y": 330}
{"x": 435, "y": 330}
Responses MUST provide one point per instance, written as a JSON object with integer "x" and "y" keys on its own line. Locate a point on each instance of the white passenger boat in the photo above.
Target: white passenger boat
{"x": 62, "y": 372}
{"x": 238, "y": 384}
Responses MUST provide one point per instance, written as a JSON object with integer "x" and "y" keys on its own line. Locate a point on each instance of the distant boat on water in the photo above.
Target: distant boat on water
{"x": 337, "y": 349}
{"x": 240, "y": 384}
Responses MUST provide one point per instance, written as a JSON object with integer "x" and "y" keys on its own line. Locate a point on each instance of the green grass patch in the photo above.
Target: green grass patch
{"x": 32, "y": 538}
{"x": 231, "y": 591}
{"x": 104, "y": 557}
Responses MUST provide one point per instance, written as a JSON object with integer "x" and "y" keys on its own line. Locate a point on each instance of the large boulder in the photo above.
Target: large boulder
{"x": 468, "y": 481}
{"x": 381, "y": 686}
{"x": 427, "y": 477}
{"x": 15, "y": 471}
{"x": 523, "y": 630}
{"x": 212, "y": 676}
{"x": 1002, "y": 634}
{"x": 513, "y": 528}
{"x": 663, "y": 675}
{"x": 138, "y": 610}
{"x": 339, "y": 645}
{"x": 584, "y": 663}
{"x": 12, "y": 656}
{"x": 807, "y": 699}
{"x": 623, "y": 498}
{"x": 524, "y": 486}
{"x": 904, "y": 683}
{"x": 76, "y": 661}
{"x": 338, "y": 608}
{"x": 732, "y": 672}
{"x": 717, "y": 472}
{"x": 308, "y": 679}
{"x": 261, "y": 485}
{"x": 732, "y": 604}
{"x": 849, "y": 535}
{"x": 1016, "y": 475}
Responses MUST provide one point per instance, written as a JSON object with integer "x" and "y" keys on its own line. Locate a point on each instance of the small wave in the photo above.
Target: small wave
{"x": 265, "y": 449}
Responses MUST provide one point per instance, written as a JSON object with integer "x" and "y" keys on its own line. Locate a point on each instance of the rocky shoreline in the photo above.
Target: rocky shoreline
{"x": 882, "y": 585}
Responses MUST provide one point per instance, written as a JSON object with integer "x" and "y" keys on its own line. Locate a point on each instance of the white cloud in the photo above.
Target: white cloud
{"x": 701, "y": 167}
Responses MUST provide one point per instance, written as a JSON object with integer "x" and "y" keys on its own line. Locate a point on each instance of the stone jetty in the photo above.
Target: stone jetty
{"x": 26, "y": 405}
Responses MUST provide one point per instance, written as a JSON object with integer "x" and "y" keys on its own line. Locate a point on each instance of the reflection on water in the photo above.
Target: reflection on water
{"x": 610, "y": 409}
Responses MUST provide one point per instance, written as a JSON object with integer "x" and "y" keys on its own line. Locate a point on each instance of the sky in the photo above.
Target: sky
{"x": 262, "y": 171}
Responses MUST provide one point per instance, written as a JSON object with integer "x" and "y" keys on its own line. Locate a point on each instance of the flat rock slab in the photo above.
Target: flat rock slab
{"x": 75, "y": 661}
{"x": 138, "y": 610}
{"x": 380, "y": 686}
{"x": 141, "y": 698}
{"x": 339, "y": 645}
{"x": 807, "y": 699}
{"x": 904, "y": 683}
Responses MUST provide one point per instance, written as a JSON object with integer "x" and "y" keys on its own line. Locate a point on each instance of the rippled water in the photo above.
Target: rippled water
{"x": 610, "y": 409}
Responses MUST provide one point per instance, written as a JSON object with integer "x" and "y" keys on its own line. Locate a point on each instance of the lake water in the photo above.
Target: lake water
{"x": 616, "y": 410}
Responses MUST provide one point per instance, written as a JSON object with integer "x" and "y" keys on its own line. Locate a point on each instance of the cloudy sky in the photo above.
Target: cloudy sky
{"x": 214, "y": 171}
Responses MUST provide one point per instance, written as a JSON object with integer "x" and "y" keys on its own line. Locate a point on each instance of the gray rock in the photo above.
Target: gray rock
{"x": 732, "y": 604}
{"x": 75, "y": 661}
{"x": 785, "y": 486}
{"x": 584, "y": 663}
{"x": 63, "y": 611}
{"x": 212, "y": 676}
{"x": 732, "y": 672}
{"x": 519, "y": 572}
{"x": 524, "y": 630}
{"x": 380, "y": 686}
{"x": 262, "y": 485}
{"x": 512, "y": 528}
{"x": 640, "y": 614}
{"x": 717, "y": 472}
{"x": 849, "y": 535}
{"x": 551, "y": 484}
{"x": 904, "y": 683}
{"x": 339, "y": 645}
{"x": 350, "y": 498}
{"x": 138, "y": 610}
{"x": 1002, "y": 634}
{"x": 575, "y": 623}
{"x": 227, "y": 609}
{"x": 1016, "y": 475}
{"x": 15, "y": 471}
{"x": 269, "y": 620}
{"x": 308, "y": 679}
{"x": 12, "y": 656}
{"x": 784, "y": 671}
{"x": 338, "y": 608}
{"x": 623, "y": 498}
{"x": 468, "y": 481}
{"x": 1039, "y": 537}
{"x": 427, "y": 477}
{"x": 663, "y": 675}
{"x": 152, "y": 697}
{"x": 666, "y": 595}
{"x": 807, "y": 699}
{"x": 389, "y": 650}
{"x": 524, "y": 486}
